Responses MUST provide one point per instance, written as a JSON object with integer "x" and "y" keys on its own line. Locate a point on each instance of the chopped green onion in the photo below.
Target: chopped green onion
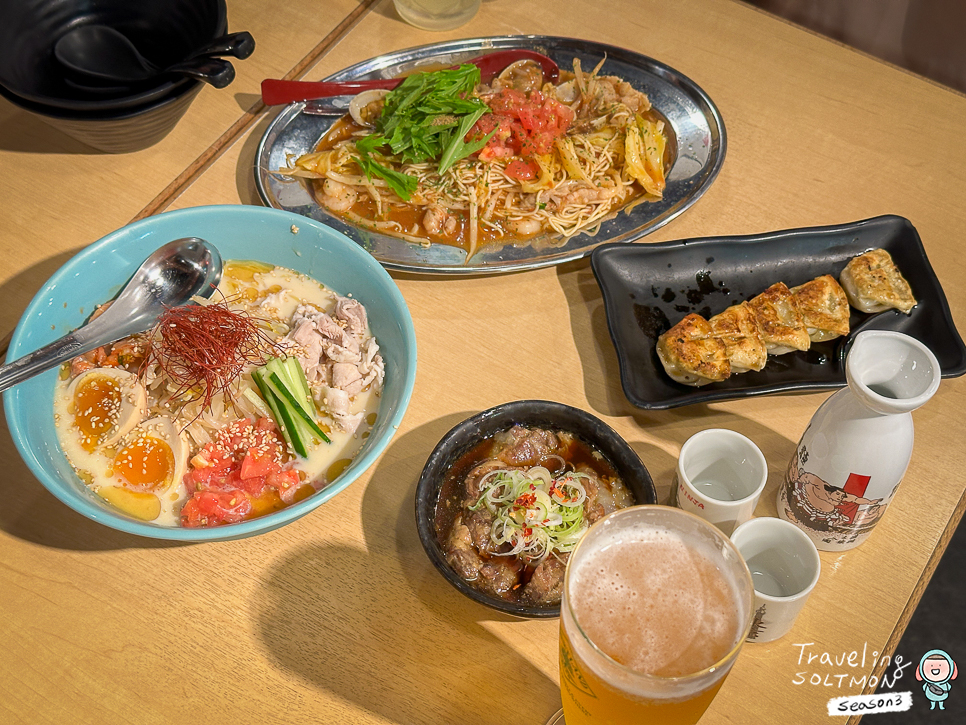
{"x": 535, "y": 514}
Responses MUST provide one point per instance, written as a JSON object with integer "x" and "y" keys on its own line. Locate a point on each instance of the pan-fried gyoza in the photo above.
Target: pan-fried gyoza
{"x": 873, "y": 283}
{"x": 696, "y": 351}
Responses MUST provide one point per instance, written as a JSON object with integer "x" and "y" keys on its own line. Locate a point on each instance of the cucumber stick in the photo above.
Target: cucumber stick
{"x": 285, "y": 390}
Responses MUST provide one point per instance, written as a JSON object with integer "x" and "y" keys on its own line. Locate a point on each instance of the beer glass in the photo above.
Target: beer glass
{"x": 657, "y": 603}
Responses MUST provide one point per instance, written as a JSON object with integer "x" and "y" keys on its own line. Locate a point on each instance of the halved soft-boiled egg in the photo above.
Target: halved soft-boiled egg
{"x": 152, "y": 457}
{"x": 105, "y": 404}
{"x": 144, "y": 479}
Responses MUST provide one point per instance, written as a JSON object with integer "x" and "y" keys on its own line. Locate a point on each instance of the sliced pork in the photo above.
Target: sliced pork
{"x": 339, "y": 355}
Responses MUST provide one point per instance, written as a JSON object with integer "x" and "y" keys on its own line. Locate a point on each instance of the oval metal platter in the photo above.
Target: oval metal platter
{"x": 696, "y": 123}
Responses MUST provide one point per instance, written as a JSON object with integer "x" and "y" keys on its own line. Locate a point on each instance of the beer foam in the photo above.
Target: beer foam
{"x": 654, "y": 603}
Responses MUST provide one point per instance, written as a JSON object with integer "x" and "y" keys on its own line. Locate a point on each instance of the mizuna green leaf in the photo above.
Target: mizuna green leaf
{"x": 426, "y": 118}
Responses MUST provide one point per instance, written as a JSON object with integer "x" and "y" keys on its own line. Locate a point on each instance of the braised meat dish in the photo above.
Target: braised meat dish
{"x": 514, "y": 506}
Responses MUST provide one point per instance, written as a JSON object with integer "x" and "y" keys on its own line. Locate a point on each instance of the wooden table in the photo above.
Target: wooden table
{"x": 340, "y": 617}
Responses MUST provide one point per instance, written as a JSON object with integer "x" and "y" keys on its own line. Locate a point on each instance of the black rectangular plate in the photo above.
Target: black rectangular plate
{"x": 647, "y": 288}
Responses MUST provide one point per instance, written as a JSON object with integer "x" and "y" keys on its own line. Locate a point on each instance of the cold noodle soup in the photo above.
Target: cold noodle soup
{"x": 231, "y": 407}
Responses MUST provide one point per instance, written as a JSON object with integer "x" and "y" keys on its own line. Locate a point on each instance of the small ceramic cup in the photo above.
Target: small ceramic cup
{"x": 720, "y": 476}
{"x": 784, "y": 565}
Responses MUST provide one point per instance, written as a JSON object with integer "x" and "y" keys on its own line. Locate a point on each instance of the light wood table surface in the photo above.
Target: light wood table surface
{"x": 59, "y": 196}
{"x": 340, "y": 617}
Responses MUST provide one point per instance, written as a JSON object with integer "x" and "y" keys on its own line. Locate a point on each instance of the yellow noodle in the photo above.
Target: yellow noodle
{"x": 474, "y": 227}
{"x": 587, "y": 176}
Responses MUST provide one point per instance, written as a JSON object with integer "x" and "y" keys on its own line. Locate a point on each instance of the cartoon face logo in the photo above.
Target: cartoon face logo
{"x": 936, "y": 670}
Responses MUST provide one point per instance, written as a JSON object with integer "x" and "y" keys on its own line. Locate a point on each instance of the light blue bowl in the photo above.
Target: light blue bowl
{"x": 239, "y": 232}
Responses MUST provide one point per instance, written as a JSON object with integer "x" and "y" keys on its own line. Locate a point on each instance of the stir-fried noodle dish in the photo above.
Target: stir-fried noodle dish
{"x": 229, "y": 408}
{"x": 446, "y": 159}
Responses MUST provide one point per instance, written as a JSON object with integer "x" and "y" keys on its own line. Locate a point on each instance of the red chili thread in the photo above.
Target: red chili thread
{"x": 208, "y": 347}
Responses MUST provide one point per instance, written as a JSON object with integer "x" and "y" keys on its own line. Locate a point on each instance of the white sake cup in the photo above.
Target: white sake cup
{"x": 784, "y": 565}
{"x": 720, "y": 476}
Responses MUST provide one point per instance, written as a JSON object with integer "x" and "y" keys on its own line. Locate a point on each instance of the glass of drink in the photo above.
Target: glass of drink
{"x": 656, "y": 606}
{"x": 784, "y": 566}
{"x": 437, "y": 14}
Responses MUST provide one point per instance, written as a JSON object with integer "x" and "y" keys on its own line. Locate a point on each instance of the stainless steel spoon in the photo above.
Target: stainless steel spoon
{"x": 170, "y": 277}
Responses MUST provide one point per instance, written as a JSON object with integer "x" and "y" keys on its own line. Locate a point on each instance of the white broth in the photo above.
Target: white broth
{"x": 161, "y": 451}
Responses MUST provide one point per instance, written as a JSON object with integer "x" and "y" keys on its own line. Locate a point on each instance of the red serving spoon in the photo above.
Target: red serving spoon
{"x": 278, "y": 92}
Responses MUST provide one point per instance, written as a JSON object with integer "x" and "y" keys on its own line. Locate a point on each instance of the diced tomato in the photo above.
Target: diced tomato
{"x": 507, "y": 101}
{"x": 266, "y": 424}
{"x": 209, "y": 508}
{"x": 202, "y": 477}
{"x": 283, "y": 481}
{"x": 521, "y": 169}
{"x": 487, "y": 123}
{"x": 244, "y": 461}
{"x": 526, "y": 125}
{"x": 259, "y": 463}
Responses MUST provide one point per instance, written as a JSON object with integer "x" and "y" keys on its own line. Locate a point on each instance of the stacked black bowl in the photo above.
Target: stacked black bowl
{"x": 109, "y": 115}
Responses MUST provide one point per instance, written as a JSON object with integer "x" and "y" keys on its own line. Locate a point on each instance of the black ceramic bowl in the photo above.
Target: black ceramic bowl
{"x": 164, "y": 31}
{"x": 122, "y": 131}
{"x": 529, "y": 413}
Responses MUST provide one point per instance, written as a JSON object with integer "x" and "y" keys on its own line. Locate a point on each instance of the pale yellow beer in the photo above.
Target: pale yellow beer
{"x": 656, "y": 606}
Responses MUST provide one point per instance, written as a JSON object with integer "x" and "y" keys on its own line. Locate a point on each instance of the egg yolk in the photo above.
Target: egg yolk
{"x": 97, "y": 404}
{"x": 145, "y": 463}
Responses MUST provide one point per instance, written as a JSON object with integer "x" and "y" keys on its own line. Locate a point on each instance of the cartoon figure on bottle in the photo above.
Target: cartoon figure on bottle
{"x": 838, "y": 512}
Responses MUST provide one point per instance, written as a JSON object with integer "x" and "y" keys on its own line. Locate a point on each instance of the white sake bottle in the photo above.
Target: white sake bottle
{"x": 855, "y": 451}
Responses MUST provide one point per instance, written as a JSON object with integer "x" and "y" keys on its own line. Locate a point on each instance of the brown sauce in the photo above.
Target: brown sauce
{"x": 452, "y": 501}
{"x": 577, "y": 454}
{"x": 410, "y": 217}
{"x": 339, "y": 131}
